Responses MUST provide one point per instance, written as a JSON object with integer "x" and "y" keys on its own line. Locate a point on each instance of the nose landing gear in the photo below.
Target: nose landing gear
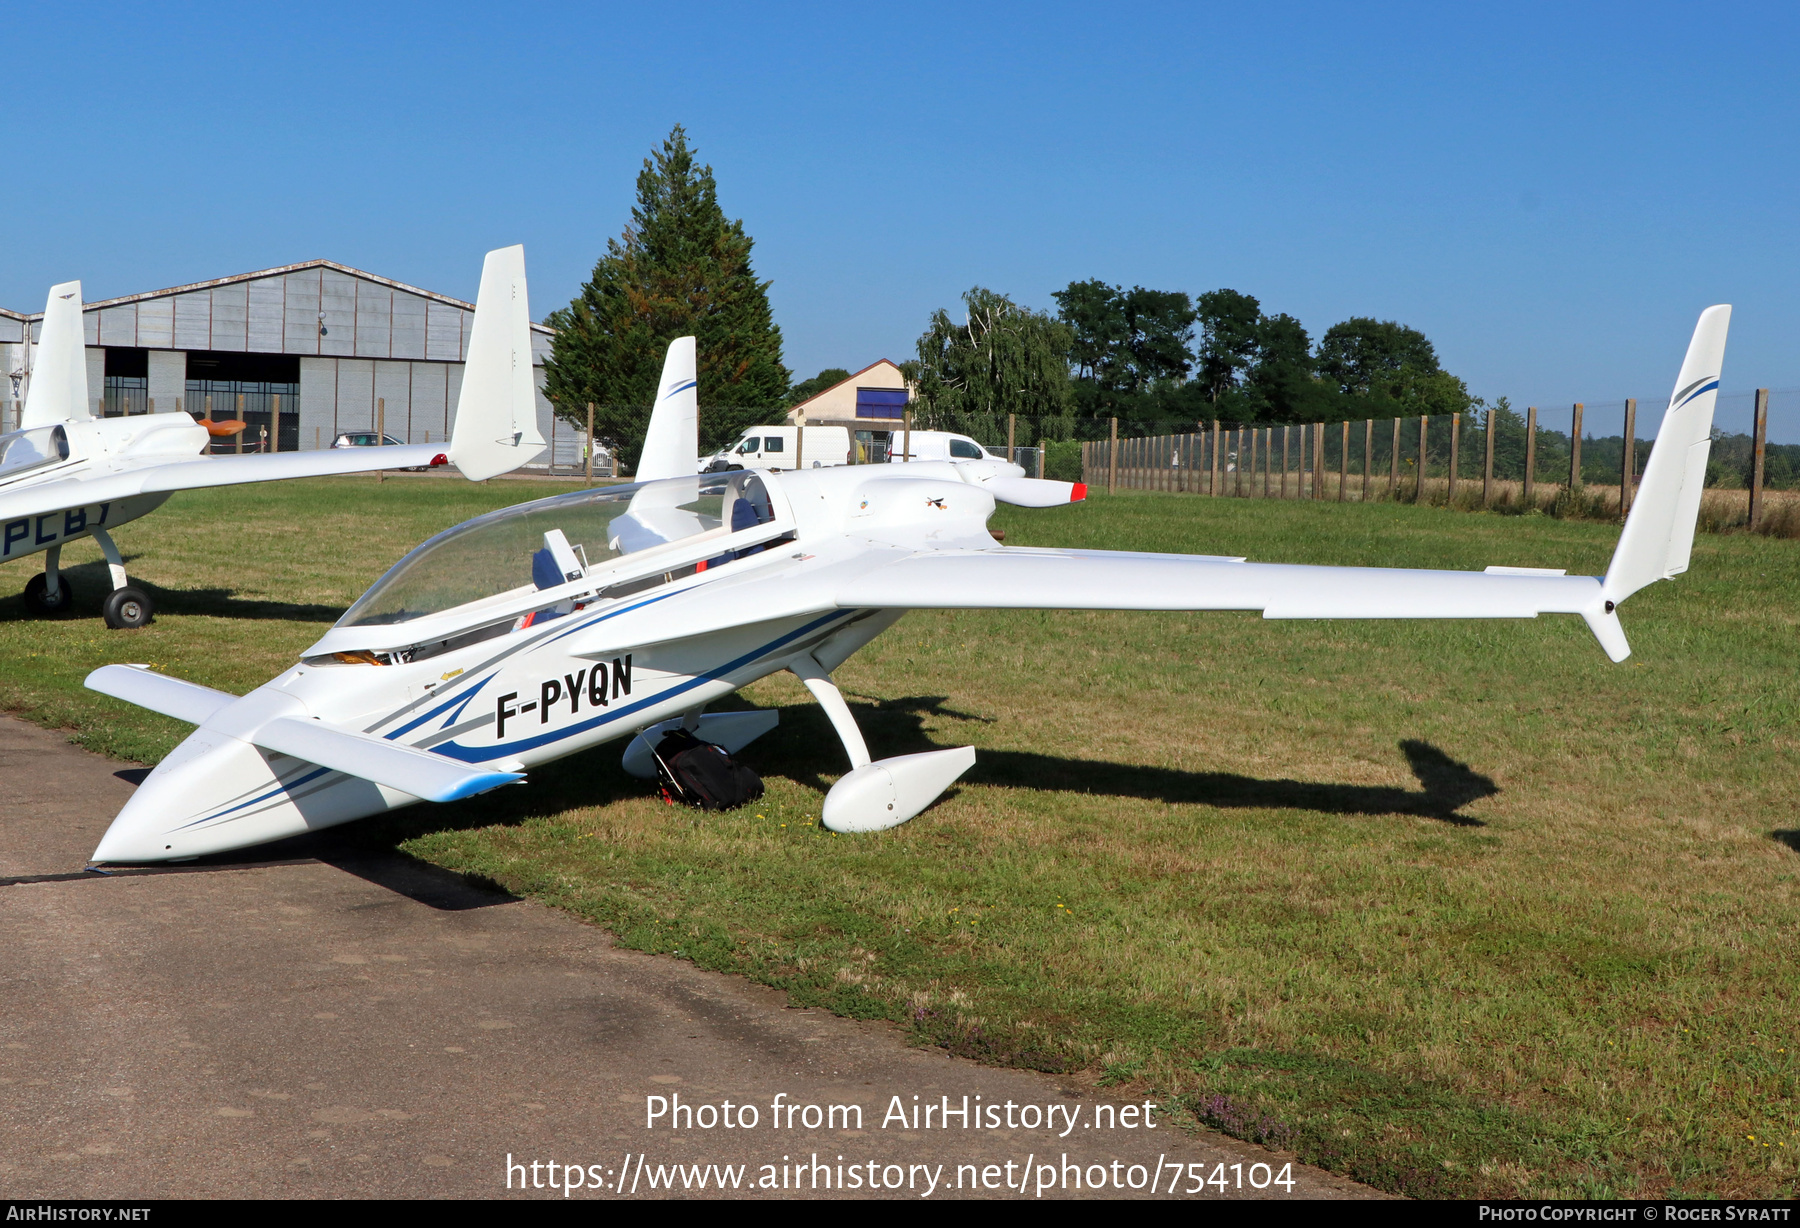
{"x": 126, "y": 608}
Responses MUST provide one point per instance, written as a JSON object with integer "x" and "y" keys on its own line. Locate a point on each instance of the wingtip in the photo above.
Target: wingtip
{"x": 481, "y": 783}
{"x": 1078, "y": 492}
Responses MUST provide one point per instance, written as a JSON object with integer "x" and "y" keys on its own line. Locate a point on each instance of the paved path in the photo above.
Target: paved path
{"x": 321, "y": 1026}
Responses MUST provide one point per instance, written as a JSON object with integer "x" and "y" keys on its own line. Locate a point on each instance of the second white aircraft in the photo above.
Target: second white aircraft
{"x": 542, "y": 630}
{"x": 66, "y": 475}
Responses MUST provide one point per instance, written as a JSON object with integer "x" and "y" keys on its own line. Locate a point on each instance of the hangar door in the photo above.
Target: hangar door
{"x": 246, "y": 386}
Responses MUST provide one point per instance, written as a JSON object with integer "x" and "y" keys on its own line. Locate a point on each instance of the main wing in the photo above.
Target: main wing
{"x": 189, "y": 474}
{"x": 1019, "y": 578}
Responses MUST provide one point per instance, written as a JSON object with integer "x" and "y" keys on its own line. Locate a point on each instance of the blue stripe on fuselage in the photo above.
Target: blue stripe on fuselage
{"x": 280, "y": 788}
{"x": 474, "y": 754}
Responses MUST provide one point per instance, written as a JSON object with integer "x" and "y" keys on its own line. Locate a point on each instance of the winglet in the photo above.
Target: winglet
{"x": 1659, "y": 534}
{"x": 672, "y": 445}
{"x": 59, "y": 387}
{"x": 496, "y": 416}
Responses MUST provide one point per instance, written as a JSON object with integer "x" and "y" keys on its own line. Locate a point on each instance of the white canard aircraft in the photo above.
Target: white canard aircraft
{"x": 65, "y": 474}
{"x": 540, "y": 630}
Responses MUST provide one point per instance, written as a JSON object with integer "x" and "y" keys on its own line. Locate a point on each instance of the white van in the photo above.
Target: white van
{"x": 772, "y": 447}
{"x": 938, "y": 446}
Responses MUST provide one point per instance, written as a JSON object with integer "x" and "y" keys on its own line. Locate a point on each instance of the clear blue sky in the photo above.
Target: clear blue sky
{"x": 1550, "y": 192}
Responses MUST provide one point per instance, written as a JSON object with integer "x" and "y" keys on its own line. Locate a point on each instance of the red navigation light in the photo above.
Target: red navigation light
{"x": 439, "y": 459}
{"x": 1078, "y": 493}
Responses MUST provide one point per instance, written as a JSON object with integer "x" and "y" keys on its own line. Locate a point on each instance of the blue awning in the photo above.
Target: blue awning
{"x": 880, "y": 402}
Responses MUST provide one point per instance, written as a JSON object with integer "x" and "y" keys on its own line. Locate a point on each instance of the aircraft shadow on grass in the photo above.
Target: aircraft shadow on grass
{"x": 92, "y": 582}
{"x": 1445, "y": 785}
{"x": 804, "y": 749}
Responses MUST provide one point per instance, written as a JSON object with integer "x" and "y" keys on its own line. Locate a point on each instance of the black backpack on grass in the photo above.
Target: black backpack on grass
{"x": 702, "y": 775}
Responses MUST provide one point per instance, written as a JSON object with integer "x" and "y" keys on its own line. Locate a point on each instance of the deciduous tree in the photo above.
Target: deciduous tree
{"x": 1229, "y": 335}
{"x": 1003, "y": 359}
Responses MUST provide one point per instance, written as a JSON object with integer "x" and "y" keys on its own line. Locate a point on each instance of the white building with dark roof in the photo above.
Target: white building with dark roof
{"x": 328, "y": 347}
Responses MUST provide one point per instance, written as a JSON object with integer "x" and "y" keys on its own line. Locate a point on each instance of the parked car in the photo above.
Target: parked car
{"x": 367, "y": 439}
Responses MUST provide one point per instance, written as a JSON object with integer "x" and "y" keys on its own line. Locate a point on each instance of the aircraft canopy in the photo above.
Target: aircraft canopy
{"x": 493, "y": 556}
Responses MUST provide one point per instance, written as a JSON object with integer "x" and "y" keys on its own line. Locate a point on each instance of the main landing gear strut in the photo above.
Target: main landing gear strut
{"x": 876, "y": 794}
{"x": 881, "y": 793}
{"x": 50, "y": 592}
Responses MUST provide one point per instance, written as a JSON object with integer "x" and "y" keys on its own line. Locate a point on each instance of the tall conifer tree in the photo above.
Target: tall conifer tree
{"x": 680, "y": 268}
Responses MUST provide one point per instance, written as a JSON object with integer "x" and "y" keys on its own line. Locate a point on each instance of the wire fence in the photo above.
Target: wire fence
{"x": 1498, "y": 460}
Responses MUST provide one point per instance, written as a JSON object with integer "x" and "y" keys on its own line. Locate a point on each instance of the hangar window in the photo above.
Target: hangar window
{"x": 127, "y": 389}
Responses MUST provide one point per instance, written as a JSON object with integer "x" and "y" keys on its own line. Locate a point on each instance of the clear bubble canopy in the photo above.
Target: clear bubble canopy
{"x": 503, "y": 553}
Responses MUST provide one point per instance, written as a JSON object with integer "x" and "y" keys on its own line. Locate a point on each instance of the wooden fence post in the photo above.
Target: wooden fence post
{"x": 1112, "y": 455}
{"x": 1419, "y": 486}
{"x": 1394, "y": 465}
{"x": 1759, "y": 445}
{"x": 1487, "y": 464}
{"x": 1212, "y": 485}
{"x": 906, "y": 435}
{"x": 1628, "y": 463}
{"x": 1043, "y": 453}
{"x": 274, "y": 424}
{"x": 1012, "y": 421}
{"x": 380, "y": 432}
{"x": 1318, "y": 460}
{"x": 1455, "y": 457}
{"x": 1575, "y": 449}
{"x": 1344, "y": 462}
{"x": 590, "y": 445}
{"x": 1530, "y": 454}
{"x": 1368, "y": 454}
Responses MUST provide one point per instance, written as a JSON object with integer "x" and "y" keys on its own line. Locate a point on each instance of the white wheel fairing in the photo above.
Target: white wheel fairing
{"x": 888, "y": 792}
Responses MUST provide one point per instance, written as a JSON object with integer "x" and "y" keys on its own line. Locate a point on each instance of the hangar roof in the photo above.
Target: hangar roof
{"x": 314, "y": 307}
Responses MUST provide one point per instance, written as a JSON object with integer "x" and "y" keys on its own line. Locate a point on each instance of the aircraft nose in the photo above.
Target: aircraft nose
{"x": 180, "y": 808}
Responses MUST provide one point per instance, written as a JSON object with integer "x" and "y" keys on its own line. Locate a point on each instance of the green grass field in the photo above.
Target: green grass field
{"x": 1453, "y": 908}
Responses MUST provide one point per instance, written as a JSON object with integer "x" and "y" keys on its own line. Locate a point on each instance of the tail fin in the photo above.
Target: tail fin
{"x": 496, "y": 415}
{"x": 59, "y": 387}
{"x": 672, "y": 446}
{"x": 1659, "y": 533}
